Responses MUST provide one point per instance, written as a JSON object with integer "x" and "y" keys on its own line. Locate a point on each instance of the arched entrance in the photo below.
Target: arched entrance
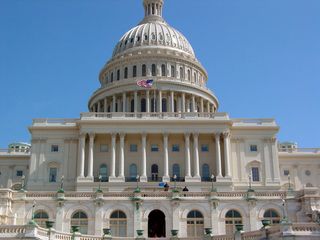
{"x": 156, "y": 224}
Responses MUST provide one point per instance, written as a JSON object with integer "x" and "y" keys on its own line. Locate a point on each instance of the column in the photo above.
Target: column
{"x": 201, "y": 105}
{"x": 113, "y": 156}
{"x": 183, "y": 102}
{"x": 218, "y": 155}
{"x": 179, "y": 105}
{"x": 208, "y": 106}
{"x": 121, "y": 163}
{"x": 135, "y": 101}
{"x": 187, "y": 156}
{"x": 124, "y": 97}
{"x": 194, "y": 107}
{"x": 82, "y": 143}
{"x": 172, "y": 101}
{"x": 188, "y": 105}
{"x": 99, "y": 106}
{"x": 148, "y": 101}
{"x": 226, "y": 142}
{"x": 143, "y": 177}
{"x": 160, "y": 101}
{"x": 90, "y": 162}
{"x": 267, "y": 165}
{"x": 105, "y": 105}
{"x": 114, "y": 103}
{"x": 213, "y": 108}
{"x": 196, "y": 156}
{"x": 166, "y": 177}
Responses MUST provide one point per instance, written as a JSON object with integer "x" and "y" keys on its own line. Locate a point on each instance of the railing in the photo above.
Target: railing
{"x": 5, "y": 151}
{"x": 54, "y": 121}
{"x": 300, "y": 150}
{"x": 254, "y": 121}
{"x": 153, "y": 115}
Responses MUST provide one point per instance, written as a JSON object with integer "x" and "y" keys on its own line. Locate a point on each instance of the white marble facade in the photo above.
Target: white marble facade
{"x": 170, "y": 133}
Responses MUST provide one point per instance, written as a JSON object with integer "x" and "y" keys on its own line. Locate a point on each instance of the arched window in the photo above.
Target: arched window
{"x": 111, "y": 77}
{"x": 153, "y": 105}
{"x": 164, "y": 105}
{"x": 103, "y": 172}
{"x": 125, "y": 72}
{"x": 133, "y": 172}
{"x": 132, "y": 105}
{"x": 172, "y": 71}
{"x": 189, "y": 75}
{"x": 195, "y": 224}
{"x": 195, "y": 77}
{"x": 134, "y": 71}
{"x": 205, "y": 172}
{"x": 272, "y": 215}
{"x": 80, "y": 219}
{"x": 233, "y": 218}
{"x": 144, "y": 70}
{"x": 176, "y": 170}
{"x": 181, "y": 73}
{"x": 118, "y": 224}
{"x": 154, "y": 70}
{"x": 163, "y": 70}
{"x": 175, "y": 106}
{"x": 40, "y": 218}
{"x": 154, "y": 172}
{"x": 118, "y": 75}
{"x": 143, "y": 105}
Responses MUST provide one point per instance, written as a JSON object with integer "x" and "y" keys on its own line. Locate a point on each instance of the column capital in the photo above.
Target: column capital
{"x": 82, "y": 134}
{"x": 113, "y": 134}
{"x": 217, "y": 134}
{"x": 122, "y": 135}
{"x": 144, "y": 134}
{"x": 226, "y": 134}
{"x": 196, "y": 134}
{"x": 165, "y": 134}
{"x": 92, "y": 134}
{"x": 187, "y": 135}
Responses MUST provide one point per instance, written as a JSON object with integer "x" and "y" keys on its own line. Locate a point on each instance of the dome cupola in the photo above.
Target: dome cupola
{"x": 153, "y": 10}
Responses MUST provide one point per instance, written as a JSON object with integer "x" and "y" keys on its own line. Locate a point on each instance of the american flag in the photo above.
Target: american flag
{"x": 145, "y": 83}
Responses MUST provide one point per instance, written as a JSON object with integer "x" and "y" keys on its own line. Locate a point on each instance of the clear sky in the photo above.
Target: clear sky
{"x": 263, "y": 57}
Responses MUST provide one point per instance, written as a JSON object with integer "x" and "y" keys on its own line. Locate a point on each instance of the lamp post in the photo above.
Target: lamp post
{"x": 175, "y": 181}
{"x": 100, "y": 179}
{"x": 289, "y": 182}
{"x": 49, "y": 225}
{"x": 137, "y": 179}
{"x": 250, "y": 178}
{"x": 212, "y": 180}
{"x": 266, "y": 225}
{"x": 23, "y": 180}
{"x": 32, "y": 222}
{"x": 61, "y": 185}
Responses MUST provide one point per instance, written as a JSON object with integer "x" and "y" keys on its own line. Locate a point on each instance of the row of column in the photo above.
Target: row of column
{"x": 184, "y": 103}
{"x": 143, "y": 170}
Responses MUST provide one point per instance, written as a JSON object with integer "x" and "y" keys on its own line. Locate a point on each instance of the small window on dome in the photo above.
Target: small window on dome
{"x": 144, "y": 70}
{"x": 146, "y": 37}
{"x": 153, "y": 68}
{"x": 118, "y": 75}
{"x": 131, "y": 40}
{"x": 153, "y": 36}
{"x": 138, "y": 38}
{"x": 125, "y": 43}
{"x": 134, "y": 71}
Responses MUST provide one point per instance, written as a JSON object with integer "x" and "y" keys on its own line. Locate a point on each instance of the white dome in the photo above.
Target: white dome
{"x": 153, "y": 31}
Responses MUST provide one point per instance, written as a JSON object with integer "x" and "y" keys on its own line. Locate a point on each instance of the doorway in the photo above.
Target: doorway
{"x": 156, "y": 224}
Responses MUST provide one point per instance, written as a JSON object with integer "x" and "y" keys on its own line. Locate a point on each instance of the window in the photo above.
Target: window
{"x": 104, "y": 148}
{"x": 163, "y": 70}
{"x": 272, "y": 215}
{"x": 164, "y": 105}
{"x": 126, "y": 73}
{"x": 181, "y": 73}
{"x": 253, "y": 148}
{"x": 286, "y": 172}
{"x": 134, "y": 71}
{"x": 19, "y": 173}
{"x": 40, "y": 218}
{"x": 53, "y": 175}
{"x": 154, "y": 70}
{"x": 195, "y": 77}
{"x": 103, "y": 172}
{"x": 175, "y": 148}
{"x": 195, "y": 224}
{"x": 80, "y": 219}
{"x": 143, "y": 105}
{"x": 133, "y": 172}
{"x": 144, "y": 70}
{"x": 132, "y": 105}
{"x": 255, "y": 174}
{"x": 154, "y": 148}
{"x": 118, "y": 75}
{"x": 54, "y": 148}
{"x": 133, "y": 148}
{"x": 118, "y": 224}
{"x": 111, "y": 78}
{"x": 172, "y": 71}
{"x": 189, "y": 75}
{"x": 204, "y": 148}
{"x": 206, "y": 172}
{"x": 233, "y": 218}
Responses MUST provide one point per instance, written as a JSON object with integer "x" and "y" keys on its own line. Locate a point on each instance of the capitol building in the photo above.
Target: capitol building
{"x": 154, "y": 158}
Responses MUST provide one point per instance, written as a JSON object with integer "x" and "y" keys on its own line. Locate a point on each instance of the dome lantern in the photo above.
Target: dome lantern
{"x": 153, "y": 9}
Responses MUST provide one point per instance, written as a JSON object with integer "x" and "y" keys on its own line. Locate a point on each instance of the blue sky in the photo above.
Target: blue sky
{"x": 263, "y": 57}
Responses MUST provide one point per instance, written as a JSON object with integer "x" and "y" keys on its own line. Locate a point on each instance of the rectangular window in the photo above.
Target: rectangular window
{"x": 154, "y": 148}
{"x": 133, "y": 148}
{"x": 53, "y": 174}
{"x": 54, "y": 148}
{"x": 19, "y": 173}
{"x": 104, "y": 148}
{"x": 286, "y": 172}
{"x": 253, "y": 148}
{"x": 204, "y": 148}
{"x": 255, "y": 174}
{"x": 175, "y": 148}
